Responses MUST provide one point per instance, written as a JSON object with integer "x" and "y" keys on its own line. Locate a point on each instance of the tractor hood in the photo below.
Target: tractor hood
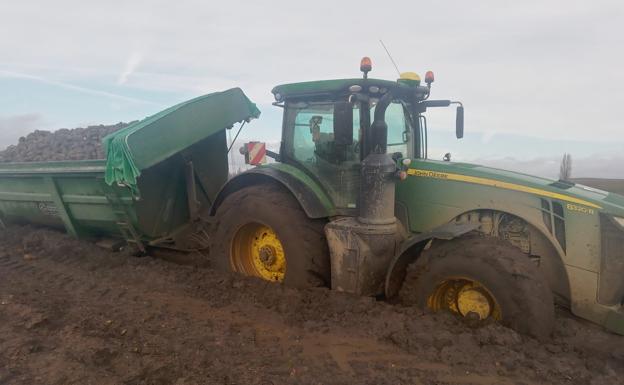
{"x": 568, "y": 192}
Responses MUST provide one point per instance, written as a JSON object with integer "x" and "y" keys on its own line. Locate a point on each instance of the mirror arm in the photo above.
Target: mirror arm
{"x": 274, "y": 155}
{"x": 435, "y": 103}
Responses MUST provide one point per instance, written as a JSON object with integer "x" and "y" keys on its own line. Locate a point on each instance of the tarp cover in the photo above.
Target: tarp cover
{"x": 158, "y": 137}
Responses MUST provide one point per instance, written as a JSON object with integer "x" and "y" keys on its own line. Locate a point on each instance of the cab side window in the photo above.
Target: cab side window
{"x": 313, "y": 136}
{"x": 336, "y": 166}
{"x": 398, "y": 129}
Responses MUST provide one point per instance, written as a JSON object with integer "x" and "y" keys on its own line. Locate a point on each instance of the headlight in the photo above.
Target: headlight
{"x": 619, "y": 220}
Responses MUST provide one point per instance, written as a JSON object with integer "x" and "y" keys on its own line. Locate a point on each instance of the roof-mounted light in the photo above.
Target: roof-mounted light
{"x": 429, "y": 78}
{"x": 409, "y": 78}
{"x": 366, "y": 66}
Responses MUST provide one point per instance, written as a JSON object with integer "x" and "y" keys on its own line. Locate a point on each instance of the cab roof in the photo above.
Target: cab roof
{"x": 321, "y": 88}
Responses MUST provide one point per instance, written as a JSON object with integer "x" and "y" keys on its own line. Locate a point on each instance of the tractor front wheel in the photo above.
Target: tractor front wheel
{"x": 483, "y": 279}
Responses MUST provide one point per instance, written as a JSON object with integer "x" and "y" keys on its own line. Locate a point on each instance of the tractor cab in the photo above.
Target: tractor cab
{"x": 331, "y": 126}
{"x": 348, "y": 141}
{"x": 355, "y": 138}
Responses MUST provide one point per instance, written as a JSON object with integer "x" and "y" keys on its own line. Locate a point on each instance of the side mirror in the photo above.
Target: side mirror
{"x": 459, "y": 122}
{"x": 343, "y": 123}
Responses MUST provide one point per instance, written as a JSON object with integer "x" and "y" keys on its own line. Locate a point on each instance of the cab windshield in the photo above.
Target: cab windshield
{"x": 309, "y": 140}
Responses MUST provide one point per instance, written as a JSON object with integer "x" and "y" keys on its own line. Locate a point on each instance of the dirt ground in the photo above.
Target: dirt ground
{"x": 72, "y": 313}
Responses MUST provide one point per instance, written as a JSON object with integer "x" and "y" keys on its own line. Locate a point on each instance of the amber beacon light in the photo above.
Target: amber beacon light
{"x": 429, "y": 78}
{"x": 365, "y": 66}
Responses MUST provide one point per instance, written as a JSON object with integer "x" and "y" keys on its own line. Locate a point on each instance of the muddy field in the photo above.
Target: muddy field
{"x": 71, "y": 313}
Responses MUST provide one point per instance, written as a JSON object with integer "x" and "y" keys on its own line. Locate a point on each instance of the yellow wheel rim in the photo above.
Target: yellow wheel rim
{"x": 466, "y": 297}
{"x": 257, "y": 251}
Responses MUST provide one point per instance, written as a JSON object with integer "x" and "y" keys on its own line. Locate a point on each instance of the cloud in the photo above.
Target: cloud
{"x": 132, "y": 64}
{"x": 72, "y": 87}
{"x": 17, "y": 125}
{"x": 487, "y": 137}
{"x": 520, "y": 69}
{"x": 548, "y": 167}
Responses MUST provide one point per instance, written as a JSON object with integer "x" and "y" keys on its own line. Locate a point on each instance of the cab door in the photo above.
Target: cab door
{"x": 310, "y": 144}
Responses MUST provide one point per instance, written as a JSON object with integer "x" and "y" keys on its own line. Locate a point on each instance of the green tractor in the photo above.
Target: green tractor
{"x": 352, "y": 200}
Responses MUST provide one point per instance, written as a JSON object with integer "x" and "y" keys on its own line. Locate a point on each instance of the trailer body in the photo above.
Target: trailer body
{"x": 158, "y": 174}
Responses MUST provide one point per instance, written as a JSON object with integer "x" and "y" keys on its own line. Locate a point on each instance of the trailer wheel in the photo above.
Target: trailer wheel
{"x": 483, "y": 280}
{"x": 262, "y": 231}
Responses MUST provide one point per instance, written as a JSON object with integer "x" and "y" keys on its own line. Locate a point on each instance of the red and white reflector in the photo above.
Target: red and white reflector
{"x": 256, "y": 153}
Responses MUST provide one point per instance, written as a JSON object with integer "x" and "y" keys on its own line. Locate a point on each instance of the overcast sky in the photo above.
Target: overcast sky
{"x": 536, "y": 78}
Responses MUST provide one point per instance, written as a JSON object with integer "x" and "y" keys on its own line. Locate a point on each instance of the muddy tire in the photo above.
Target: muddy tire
{"x": 464, "y": 271}
{"x": 268, "y": 218}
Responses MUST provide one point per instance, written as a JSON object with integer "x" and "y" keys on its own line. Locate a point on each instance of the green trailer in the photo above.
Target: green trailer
{"x": 158, "y": 173}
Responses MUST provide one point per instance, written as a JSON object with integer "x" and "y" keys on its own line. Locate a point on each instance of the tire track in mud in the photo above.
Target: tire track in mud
{"x": 88, "y": 316}
{"x": 340, "y": 352}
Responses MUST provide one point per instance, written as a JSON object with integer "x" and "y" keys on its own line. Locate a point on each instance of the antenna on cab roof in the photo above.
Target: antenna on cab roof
{"x": 390, "y": 56}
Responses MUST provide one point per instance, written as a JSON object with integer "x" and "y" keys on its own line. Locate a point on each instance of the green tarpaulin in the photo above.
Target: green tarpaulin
{"x": 158, "y": 137}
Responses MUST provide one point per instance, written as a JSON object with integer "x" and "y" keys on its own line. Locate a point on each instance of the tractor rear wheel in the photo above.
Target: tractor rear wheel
{"x": 262, "y": 231}
{"x": 483, "y": 280}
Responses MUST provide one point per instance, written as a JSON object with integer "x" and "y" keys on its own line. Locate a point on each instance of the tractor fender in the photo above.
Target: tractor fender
{"x": 308, "y": 193}
{"x": 411, "y": 248}
{"x": 551, "y": 254}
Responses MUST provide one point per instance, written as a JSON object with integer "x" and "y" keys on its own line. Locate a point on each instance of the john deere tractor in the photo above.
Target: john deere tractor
{"x": 352, "y": 200}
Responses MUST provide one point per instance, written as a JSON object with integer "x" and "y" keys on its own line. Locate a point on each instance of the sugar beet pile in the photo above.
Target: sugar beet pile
{"x": 64, "y": 144}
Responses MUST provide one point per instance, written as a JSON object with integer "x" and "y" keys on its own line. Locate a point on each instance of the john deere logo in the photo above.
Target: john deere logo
{"x": 427, "y": 173}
